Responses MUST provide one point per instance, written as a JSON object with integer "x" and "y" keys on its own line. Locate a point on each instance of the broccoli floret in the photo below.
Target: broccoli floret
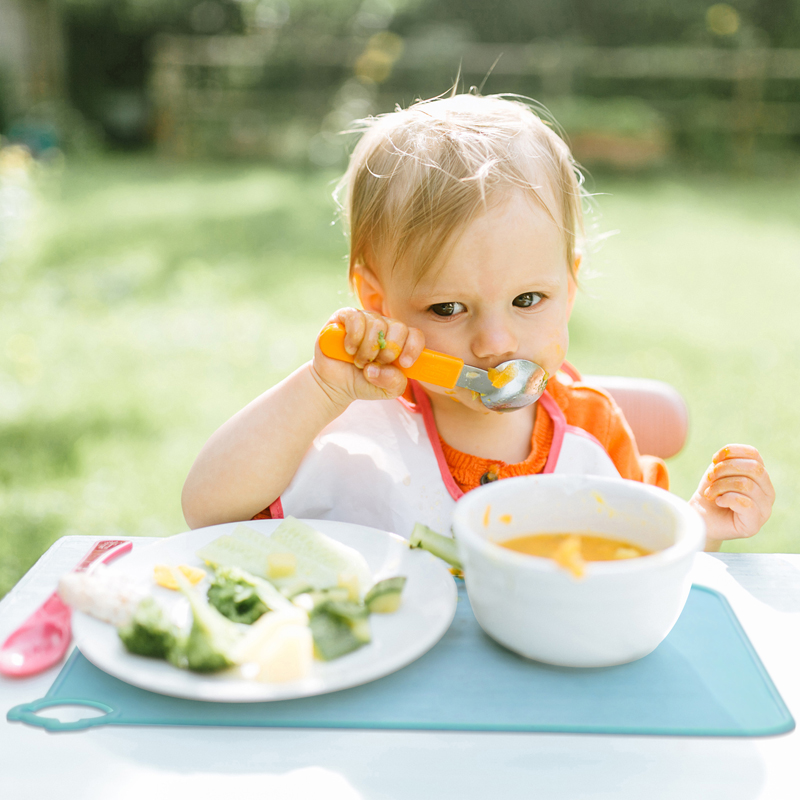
{"x": 237, "y": 600}
{"x": 149, "y": 633}
{"x": 211, "y": 640}
{"x": 242, "y": 597}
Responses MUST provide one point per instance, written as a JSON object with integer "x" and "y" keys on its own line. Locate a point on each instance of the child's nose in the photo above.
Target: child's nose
{"x": 494, "y": 340}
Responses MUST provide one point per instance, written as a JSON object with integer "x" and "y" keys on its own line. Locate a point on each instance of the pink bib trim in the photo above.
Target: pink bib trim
{"x": 276, "y": 509}
{"x": 559, "y": 429}
{"x": 568, "y": 369}
{"x": 423, "y": 406}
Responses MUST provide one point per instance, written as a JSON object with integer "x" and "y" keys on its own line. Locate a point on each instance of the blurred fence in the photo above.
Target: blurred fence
{"x": 210, "y": 99}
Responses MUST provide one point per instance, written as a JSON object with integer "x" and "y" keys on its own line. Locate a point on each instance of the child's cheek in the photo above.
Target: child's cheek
{"x": 554, "y": 352}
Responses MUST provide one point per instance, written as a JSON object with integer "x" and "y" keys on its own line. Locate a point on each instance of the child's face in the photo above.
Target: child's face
{"x": 502, "y": 291}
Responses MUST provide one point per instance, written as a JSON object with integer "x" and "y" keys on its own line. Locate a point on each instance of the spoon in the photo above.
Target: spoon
{"x": 508, "y": 386}
{"x": 42, "y": 640}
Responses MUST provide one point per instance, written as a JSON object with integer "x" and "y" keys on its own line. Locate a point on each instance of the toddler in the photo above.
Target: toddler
{"x": 464, "y": 216}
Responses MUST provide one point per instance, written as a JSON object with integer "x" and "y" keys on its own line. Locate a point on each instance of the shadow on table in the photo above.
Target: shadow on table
{"x": 765, "y": 577}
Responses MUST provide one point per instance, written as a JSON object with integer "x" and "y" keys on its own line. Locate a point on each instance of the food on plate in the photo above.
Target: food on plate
{"x": 287, "y": 656}
{"x": 320, "y": 560}
{"x": 278, "y": 647}
{"x": 338, "y": 628}
{"x": 385, "y": 596}
{"x": 242, "y": 597}
{"x": 162, "y": 574}
{"x": 259, "y": 633}
{"x": 350, "y": 582}
{"x": 281, "y": 565}
{"x": 212, "y": 637}
{"x": 573, "y": 550}
{"x": 338, "y": 623}
{"x": 105, "y": 596}
{"x": 319, "y": 604}
{"x": 151, "y": 633}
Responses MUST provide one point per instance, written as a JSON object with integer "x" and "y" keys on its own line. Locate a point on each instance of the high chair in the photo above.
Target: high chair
{"x": 656, "y": 412}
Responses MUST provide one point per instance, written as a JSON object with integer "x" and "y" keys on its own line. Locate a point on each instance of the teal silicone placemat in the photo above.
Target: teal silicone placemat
{"x": 705, "y": 679}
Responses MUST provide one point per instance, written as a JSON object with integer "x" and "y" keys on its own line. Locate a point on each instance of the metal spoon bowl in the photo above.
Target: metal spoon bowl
{"x": 524, "y": 385}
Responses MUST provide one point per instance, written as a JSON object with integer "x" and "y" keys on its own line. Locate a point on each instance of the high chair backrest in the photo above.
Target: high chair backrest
{"x": 655, "y": 411}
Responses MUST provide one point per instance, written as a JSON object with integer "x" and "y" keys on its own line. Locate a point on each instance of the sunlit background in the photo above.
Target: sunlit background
{"x": 168, "y": 246}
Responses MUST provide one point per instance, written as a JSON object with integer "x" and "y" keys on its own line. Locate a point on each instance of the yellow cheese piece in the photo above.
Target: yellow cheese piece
{"x": 349, "y": 581}
{"x": 281, "y": 565}
{"x": 162, "y": 573}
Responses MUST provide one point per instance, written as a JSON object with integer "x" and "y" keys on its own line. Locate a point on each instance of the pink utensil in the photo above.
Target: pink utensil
{"x": 42, "y": 640}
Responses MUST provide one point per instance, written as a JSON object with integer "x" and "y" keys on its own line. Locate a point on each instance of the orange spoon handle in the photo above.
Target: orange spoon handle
{"x": 431, "y": 367}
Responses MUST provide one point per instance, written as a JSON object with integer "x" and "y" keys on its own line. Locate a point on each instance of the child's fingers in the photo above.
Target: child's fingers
{"x": 734, "y": 483}
{"x": 736, "y": 451}
{"x": 355, "y": 325}
{"x": 393, "y": 342}
{"x": 386, "y": 377}
{"x": 746, "y": 467}
{"x": 756, "y": 498}
{"x": 369, "y": 347}
{"x": 415, "y": 344}
{"x": 748, "y": 517}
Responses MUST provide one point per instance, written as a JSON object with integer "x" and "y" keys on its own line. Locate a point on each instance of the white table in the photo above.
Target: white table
{"x": 150, "y": 763}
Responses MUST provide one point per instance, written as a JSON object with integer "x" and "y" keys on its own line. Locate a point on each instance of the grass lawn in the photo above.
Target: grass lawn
{"x": 145, "y": 302}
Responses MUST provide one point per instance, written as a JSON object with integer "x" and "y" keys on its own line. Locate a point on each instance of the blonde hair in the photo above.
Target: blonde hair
{"x": 419, "y": 175}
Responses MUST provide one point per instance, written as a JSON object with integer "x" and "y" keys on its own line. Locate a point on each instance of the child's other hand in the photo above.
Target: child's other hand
{"x": 374, "y": 374}
{"x": 735, "y": 496}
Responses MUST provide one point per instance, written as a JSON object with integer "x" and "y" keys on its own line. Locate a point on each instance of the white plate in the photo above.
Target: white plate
{"x": 428, "y": 607}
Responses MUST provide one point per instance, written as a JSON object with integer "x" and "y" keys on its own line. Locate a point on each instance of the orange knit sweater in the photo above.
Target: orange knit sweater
{"x": 584, "y": 407}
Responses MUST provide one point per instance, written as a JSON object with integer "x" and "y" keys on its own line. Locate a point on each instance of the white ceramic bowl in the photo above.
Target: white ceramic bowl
{"x": 620, "y": 610}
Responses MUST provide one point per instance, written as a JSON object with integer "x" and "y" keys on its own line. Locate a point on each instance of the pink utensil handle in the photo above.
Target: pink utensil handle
{"x": 103, "y": 552}
{"x": 53, "y": 615}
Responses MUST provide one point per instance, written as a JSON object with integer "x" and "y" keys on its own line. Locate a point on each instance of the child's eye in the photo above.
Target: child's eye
{"x": 446, "y": 309}
{"x": 528, "y": 299}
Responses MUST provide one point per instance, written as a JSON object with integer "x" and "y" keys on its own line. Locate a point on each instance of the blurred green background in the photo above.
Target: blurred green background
{"x": 168, "y": 248}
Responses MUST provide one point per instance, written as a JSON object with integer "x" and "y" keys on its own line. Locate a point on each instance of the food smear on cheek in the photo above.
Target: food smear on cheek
{"x": 572, "y": 550}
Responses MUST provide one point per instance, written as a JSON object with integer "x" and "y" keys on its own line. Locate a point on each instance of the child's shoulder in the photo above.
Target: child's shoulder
{"x": 587, "y": 407}
{"x": 595, "y": 411}
{"x": 576, "y": 397}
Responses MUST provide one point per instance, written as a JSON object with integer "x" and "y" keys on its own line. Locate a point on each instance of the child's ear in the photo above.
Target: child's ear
{"x": 573, "y": 285}
{"x": 369, "y": 289}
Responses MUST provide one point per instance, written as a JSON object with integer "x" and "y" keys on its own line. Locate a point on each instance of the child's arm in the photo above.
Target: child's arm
{"x": 735, "y": 496}
{"x": 251, "y": 459}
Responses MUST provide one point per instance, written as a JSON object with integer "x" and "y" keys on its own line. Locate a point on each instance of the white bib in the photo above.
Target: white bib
{"x": 381, "y": 464}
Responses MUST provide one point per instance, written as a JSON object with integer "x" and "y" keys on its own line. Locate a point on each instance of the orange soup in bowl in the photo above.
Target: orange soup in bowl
{"x": 573, "y": 550}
